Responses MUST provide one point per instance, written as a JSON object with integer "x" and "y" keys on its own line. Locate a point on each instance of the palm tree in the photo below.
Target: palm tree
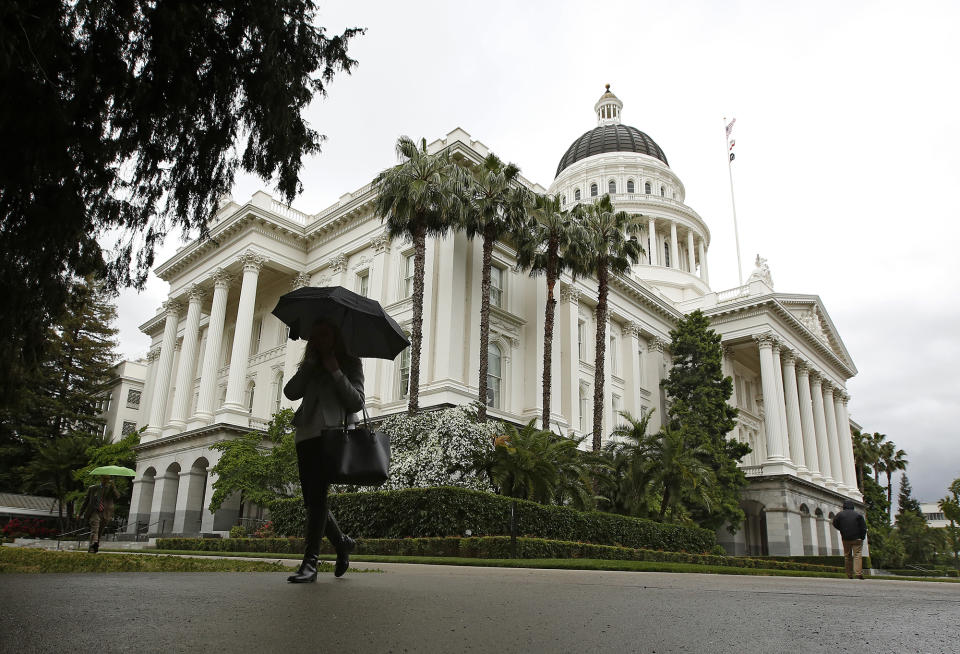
{"x": 891, "y": 459}
{"x": 544, "y": 247}
{"x": 630, "y": 463}
{"x": 493, "y": 205}
{"x": 865, "y": 453}
{"x": 417, "y": 198}
{"x": 677, "y": 468}
{"x": 605, "y": 249}
{"x": 876, "y": 442}
{"x": 525, "y": 463}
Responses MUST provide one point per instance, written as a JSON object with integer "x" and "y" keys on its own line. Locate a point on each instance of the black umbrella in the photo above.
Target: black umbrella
{"x": 365, "y": 328}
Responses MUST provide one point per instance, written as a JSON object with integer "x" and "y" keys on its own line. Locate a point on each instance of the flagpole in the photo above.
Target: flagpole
{"x": 736, "y": 232}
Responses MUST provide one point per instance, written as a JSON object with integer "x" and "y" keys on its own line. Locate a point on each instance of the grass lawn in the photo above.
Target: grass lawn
{"x": 17, "y": 559}
{"x": 560, "y": 564}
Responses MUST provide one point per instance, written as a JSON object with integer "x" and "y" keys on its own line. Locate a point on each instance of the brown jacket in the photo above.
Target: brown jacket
{"x": 97, "y": 494}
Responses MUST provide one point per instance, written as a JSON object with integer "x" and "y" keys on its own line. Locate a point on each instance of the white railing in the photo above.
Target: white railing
{"x": 752, "y": 471}
{"x": 733, "y": 294}
{"x": 289, "y": 212}
{"x": 257, "y": 423}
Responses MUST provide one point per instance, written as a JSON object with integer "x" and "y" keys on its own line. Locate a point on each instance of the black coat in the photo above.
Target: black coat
{"x": 851, "y": 525}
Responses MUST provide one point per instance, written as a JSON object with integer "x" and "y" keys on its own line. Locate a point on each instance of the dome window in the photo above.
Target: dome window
{"x": 612, "y": 186}
{"x": 576, "y": 194}
{"x": 563, "y": 199}
{"x": 663, "y": 192}
{"x": 630, "y": 186}
{"x": 593, "y": 190}
{"x": 646, "y": 188}
{"x": 666, "y": 254}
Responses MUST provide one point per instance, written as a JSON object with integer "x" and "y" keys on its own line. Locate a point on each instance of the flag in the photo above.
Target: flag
{"x": 732, "y": 143}
{"x": 732, "y": 156}
{"x": 730, "y": 127}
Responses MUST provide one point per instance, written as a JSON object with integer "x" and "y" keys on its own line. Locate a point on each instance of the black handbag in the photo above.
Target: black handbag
{"x": 358, "y": 456}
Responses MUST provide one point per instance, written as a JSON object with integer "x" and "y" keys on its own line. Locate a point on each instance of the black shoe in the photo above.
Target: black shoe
{"x": 96, "y": 547}
{"x": 343, "y": 556}
{"x": 307, "y": 573}
{"x": 92, "y": 548}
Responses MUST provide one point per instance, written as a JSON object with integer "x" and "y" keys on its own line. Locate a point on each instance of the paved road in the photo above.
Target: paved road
{"x": 416, "y": 608}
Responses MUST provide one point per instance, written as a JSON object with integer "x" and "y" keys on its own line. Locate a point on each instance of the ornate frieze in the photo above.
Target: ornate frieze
{"x": 657, "y": 344}
{"x": 338, "y": 263}
{"x": 380, "y": 243}
{"x": 299, "y": 281}
{"x": 252, "y": 261}
{"x": 633, "y": 329}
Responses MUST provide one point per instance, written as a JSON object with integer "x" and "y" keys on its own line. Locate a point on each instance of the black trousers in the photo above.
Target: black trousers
{"x": 320, "y": 522}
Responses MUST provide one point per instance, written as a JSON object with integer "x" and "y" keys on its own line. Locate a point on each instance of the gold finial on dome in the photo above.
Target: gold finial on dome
{"x": 608, "y": 86}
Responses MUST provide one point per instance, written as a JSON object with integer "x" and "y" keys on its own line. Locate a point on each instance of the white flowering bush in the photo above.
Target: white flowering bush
{"x": 437, "y": 448}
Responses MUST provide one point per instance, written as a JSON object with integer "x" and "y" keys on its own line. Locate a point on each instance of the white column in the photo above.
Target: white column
{"x": 211, "y": 353}
{"x": 794, "y": 428}
{"x": 832, "y": 438}
{"x": 146, "y": 400}
{"x": 771, "y": 418}
{"x": 729, "y": 370}
{"x": 654, "y": 365}
{"x": 134, "y": 515}
{"x": 653, "y": 254}
{"x": 781, "y": 403}
{"x": 162, "y": 384}
{"x": 703, "y": 262}
{"x": 691, "y": 254}
{"x": 233, "y": 411}
{"x": 187, "y": 364}
{"x": 634, "y": 383}
{"x": 295, "y": 349}
{"x": 674, "y": 246}
{"x": 378, "y": 388}
{"x": 807, "y": 428}
{"x": 820, "y": 425}
{"x": 846, "y": 443}
{"x": 570, "y": 299}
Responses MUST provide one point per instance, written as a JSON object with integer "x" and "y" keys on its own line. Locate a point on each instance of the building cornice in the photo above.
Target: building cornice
{"x": 194, "y": 433}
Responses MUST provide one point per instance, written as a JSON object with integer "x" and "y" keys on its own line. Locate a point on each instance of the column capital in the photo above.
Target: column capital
{"x": 803, "y": 368}
{"x": 221, "y": 278}
{"x": 299, "y": 280}
{"x": 196, "y": 293}
{"x": 828, "y": 386}
{"x": 172, "y": 308}
{"x": 657, "y": 344}
{"x": 728, "y": 351}
{"x": 252, "y": 261}
{"x": 633, "y": 328}
{"x": 816, "y": 378}
{"x": 844, "y": 397}
{"x": 788, "y": 356}
{"x": 338, "y": 263}
{"x": 153, "y": 353}
{"x": 765, "y": 340}
{"x": 570, "y": 294}
{"x": 380, "y": 243}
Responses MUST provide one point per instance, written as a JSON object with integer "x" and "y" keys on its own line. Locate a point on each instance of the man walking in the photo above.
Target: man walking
{"x": 853, "y": 529}
{"x": 98, "y": 509}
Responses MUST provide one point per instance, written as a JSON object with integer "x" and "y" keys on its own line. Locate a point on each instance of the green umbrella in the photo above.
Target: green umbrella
{"x": 113, "y": 471}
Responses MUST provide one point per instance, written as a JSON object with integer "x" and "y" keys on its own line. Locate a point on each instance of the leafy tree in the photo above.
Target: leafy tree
{"x": 698, "y": 392}
{"x": 889, "y": 461}
{"x": 493, "y": 207}
{"x": 950, "y": 505}
{"x": 116, "y": 453}
{"x": 50, "y": 470}
{"x": 544, "y": 247}
{"x": 261, "y": 466}
{"x": 605, "y": 249}
{"x": 417, "y": 198}
{"x": 134, "y": 113}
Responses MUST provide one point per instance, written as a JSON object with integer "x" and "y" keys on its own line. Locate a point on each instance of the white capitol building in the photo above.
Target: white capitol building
{"x": 218, "y": 358}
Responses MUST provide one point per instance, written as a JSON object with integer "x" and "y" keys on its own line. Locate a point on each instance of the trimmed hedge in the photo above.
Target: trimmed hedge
{"x": 835, "y": 560}
{"x": 489, "y": 547}
{"x": 447, "y": 511}
{"x": 910, "y": 572}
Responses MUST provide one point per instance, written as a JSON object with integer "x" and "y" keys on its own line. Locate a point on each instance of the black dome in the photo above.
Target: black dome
{"x": 610, "y": 138}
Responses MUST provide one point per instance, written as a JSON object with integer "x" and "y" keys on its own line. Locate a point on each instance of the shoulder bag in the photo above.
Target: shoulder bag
{"x": 358, "y": 456}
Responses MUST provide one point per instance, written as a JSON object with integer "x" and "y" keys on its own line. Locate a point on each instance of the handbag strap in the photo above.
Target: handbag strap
{"x": 366, "y": 419}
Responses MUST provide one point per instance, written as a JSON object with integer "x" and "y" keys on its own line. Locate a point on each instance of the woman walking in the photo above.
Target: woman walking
{"x": 330, "y": 381}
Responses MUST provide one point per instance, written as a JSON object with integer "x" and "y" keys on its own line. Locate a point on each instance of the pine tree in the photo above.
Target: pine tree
{"x": 698, "y": 393}
{"x": 906, "y": 501}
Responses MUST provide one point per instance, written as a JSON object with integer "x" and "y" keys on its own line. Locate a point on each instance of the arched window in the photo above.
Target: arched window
{"x": 278, "y": 393}
{"x": 612, "y": 186}
{"x": 251, "y": 391}
{"x": 493, "y": 375}
{"x": 584, "y": 408}
{"x": 630, "y": 186}
{"x": 666, "y": 254}
{"x": 593, "y": 190}
{"x": 405, "y": 372}
{"x": 563, "y": 199}
{"x": 646, "y": 188}
{"x": 663, "y": 192}
{"x": 576, "y": 194}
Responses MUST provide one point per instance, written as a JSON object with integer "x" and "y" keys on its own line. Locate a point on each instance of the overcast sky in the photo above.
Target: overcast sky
{"x": 847, "y": 142}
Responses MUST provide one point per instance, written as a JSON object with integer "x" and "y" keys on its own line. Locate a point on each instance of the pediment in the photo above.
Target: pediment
{"x": 812, "y": 315}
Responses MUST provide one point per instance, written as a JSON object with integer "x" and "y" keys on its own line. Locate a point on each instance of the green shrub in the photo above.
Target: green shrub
{"x": 910, "y": 572}
{"x": 238, "y": 531}
{"x": 24, "y": 560}
{"x": 446, "y": 511}
{"x": 835, "y": 560}
{"x": 487, "y": 547}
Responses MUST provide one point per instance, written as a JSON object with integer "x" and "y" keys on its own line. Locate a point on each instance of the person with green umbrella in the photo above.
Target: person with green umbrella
{"x": 97, "y": 507}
